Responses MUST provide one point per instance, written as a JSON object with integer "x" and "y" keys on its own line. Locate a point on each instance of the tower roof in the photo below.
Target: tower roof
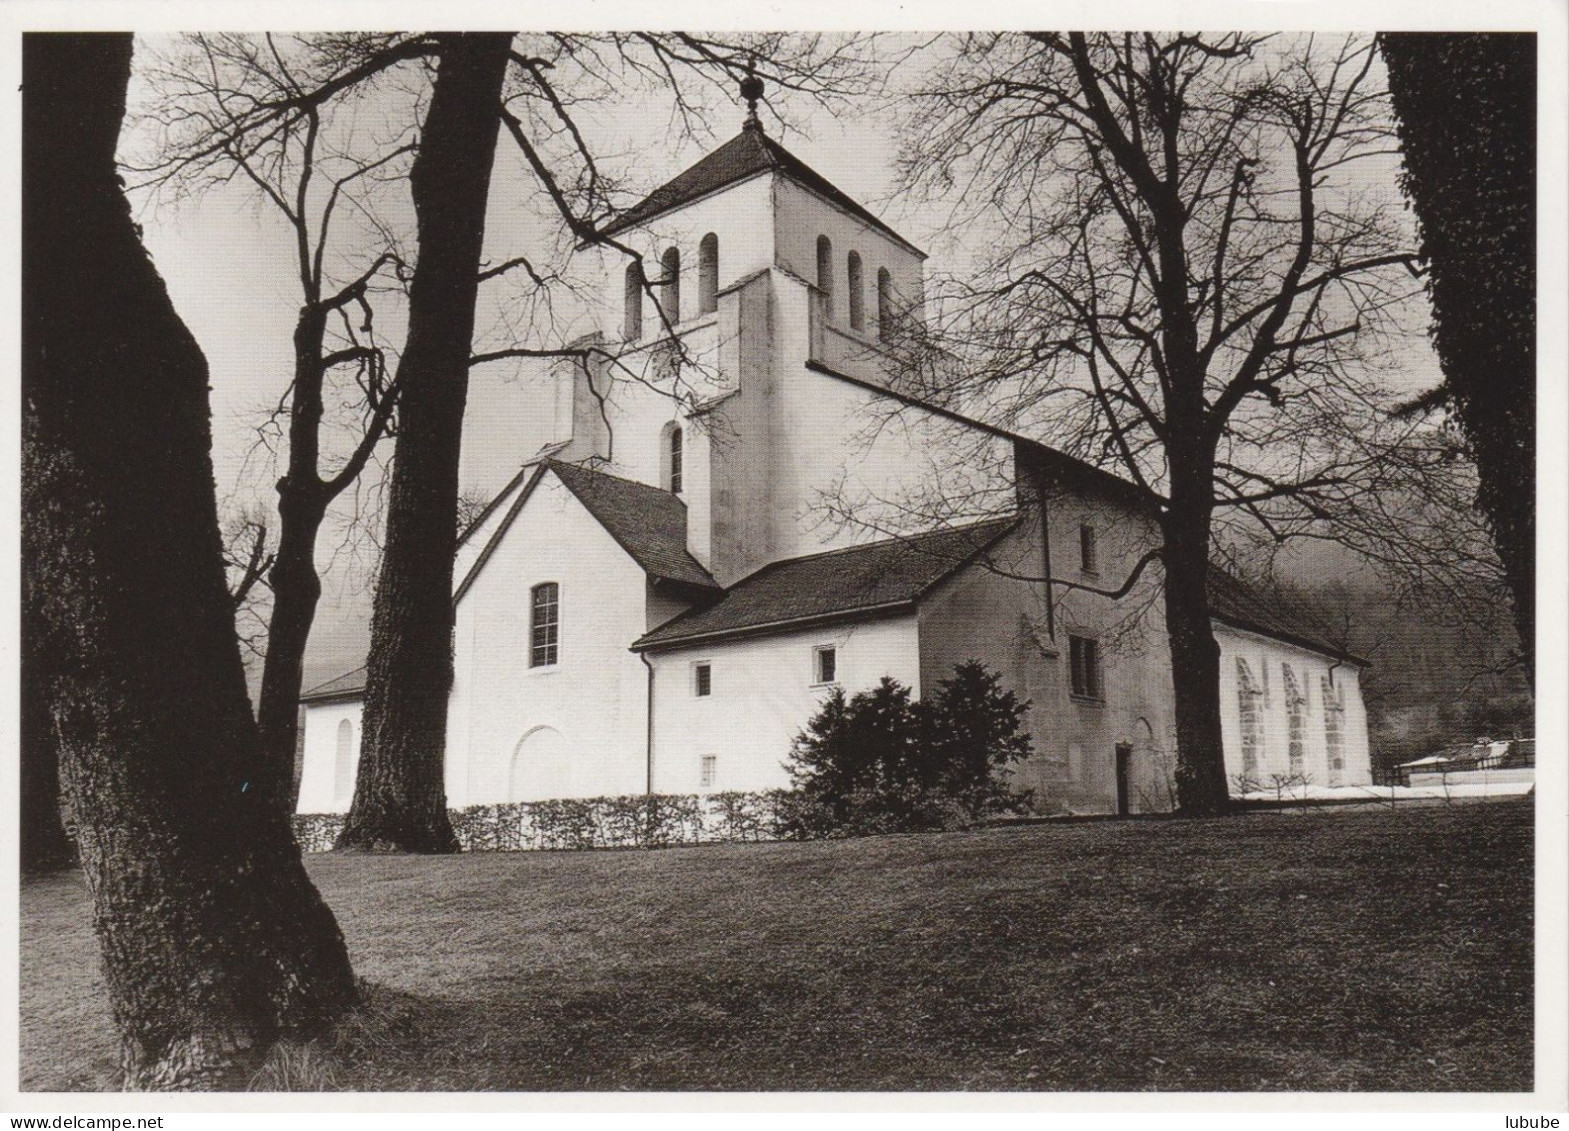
{"x": 748, "y": 154}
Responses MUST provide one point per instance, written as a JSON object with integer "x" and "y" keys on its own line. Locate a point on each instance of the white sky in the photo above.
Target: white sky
{"x": 229, "y": 265}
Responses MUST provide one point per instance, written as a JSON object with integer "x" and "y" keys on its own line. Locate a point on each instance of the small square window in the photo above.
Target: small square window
{"x": 1088, "y": 561}
{"x": 825, "y": 665}
{"x": 702, "y": 680}
{"x": 1084, "y": 661}
{"x": 708, "y": 771}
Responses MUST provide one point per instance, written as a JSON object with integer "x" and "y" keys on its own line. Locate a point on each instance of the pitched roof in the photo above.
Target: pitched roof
{"x": 1235, "y": 602}
{"x": 861, "y": 579}
{"x": 349, "y": 685}
{"x": 744, "y": 156}
{"x": 1070, "y": 469}
{"x": 649, "y": 524}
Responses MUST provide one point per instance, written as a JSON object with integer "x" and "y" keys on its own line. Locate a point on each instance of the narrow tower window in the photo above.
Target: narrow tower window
{"x": 852, "y": 272}
{"x": 632, "y": 324}
{"x": 675, "y": 460}
{"x": 708, "y": 274}
{"x": 884, "y": 304}
{"x": 670, "y": 293}
{"x": 825, "y": 273}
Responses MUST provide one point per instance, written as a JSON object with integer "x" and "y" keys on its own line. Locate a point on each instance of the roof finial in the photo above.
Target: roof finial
{"x": 752, "y": 90}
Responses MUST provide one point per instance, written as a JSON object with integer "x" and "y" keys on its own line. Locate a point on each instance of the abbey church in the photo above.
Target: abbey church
{"x": 739, "y": 511}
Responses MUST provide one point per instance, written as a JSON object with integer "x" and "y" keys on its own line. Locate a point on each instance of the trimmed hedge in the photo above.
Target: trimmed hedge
{"x": 642, "y": 821}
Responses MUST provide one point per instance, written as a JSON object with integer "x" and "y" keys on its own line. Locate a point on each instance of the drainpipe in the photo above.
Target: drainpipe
{"x": 649, "y": 740}
{"x": 1051, "y": 597}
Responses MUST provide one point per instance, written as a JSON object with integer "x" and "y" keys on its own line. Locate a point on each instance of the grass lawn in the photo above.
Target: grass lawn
{"x": 1323, "y": 951}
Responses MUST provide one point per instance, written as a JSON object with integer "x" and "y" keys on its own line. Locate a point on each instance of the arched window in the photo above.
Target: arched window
{"x": 825, "y": 273}
{"x": 675, "y": 460}
{"x": 632, "y": 323}
{"x": 852, "y": 271}
{"x": 708, "y": 274}
{"x": 343, "y": 765}
{"x": 884, "y": 304}
{"x": 1250, "y": 719}
{"x": 1296, "y": 727}
{"x": 670, "y": 284}
{"x": 1334, "y": 731}
{"x": 545, "y": 625}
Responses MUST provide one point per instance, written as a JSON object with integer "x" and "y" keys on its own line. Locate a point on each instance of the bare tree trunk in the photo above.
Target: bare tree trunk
{"x": 1195, "y": 664}
{"x": 399, "y": 793}
{"x": 214, "y": 941}
{"x": 296, "y": 587}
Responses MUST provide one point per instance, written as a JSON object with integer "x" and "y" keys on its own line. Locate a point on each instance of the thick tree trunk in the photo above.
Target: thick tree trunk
{"x": 45, "y": 845}
{"x": 214, "y": 942}
{"x": 1195, "y": 656}
{"x": 399, "y": 794}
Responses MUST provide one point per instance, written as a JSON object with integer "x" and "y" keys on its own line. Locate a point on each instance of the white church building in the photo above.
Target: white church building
{"x": 663, "y": 596}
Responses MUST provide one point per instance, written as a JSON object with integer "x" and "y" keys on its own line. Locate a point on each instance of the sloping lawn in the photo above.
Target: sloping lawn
{"x": 1324, "y": 951}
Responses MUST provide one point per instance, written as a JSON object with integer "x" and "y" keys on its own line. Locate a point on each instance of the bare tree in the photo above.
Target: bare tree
{"x": 399, "y": 801}
{"x": 304, "y": 166}
{"x": 1192, "y": 287}
{"x": 214, "y": 942}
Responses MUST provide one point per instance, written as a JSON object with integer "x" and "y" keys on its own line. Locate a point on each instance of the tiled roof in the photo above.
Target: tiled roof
{"x": 649, "y": 524}
{"x": 838, "y": 583}
{"x": 747, "y": 154}
{"x": 1237, "y": 603}
{"x": 347, "y": 686}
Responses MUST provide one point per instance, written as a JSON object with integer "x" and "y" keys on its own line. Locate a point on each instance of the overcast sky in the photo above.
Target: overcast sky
{"x": 229, "y": 265}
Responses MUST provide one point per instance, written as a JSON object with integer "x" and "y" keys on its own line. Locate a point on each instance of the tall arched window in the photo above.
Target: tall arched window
{"x": 708, "y": 274}
{"x": 852, "y": 271}
{"x": 1334, "y": 731}
{"x": 670, "y": 285}
{"x": 545, "y": 625}
{"x": 632, "y": 323}
{"x": 884, "y": 304}
{"x": 1296, "y": 724}
{"x": 825, "y": 273}
{"x": 343, "y": 764}
{"x": 676, "y": 468}
{"x": 1250, "y": 718}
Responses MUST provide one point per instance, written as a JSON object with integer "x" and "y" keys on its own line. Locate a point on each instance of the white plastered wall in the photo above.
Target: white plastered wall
{"x": 763, "y": 694}
{"x": 1265, "y": 657}
{"x": 319, "y": 773}
{"x": 594, "y": 699}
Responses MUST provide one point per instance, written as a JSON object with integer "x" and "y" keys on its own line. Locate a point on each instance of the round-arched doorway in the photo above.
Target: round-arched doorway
{"x": 540, "y": 769}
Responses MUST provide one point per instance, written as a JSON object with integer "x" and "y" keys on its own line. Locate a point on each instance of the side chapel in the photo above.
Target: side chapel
{"x": 658, "y": 602}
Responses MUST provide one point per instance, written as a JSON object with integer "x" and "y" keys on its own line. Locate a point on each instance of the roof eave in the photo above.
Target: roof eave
{"x": 789, "y": 624}
{"x": 1290, "y": 638}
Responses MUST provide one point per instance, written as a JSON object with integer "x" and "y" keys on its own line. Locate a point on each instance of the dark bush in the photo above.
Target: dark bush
{"x": 880, "y": 761}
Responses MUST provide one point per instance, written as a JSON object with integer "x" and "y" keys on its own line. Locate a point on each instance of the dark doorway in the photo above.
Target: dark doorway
{"x": 1124, "y": 757}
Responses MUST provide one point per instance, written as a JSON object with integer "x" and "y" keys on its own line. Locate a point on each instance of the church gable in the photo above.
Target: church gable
{"x": 647, "y": 524}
